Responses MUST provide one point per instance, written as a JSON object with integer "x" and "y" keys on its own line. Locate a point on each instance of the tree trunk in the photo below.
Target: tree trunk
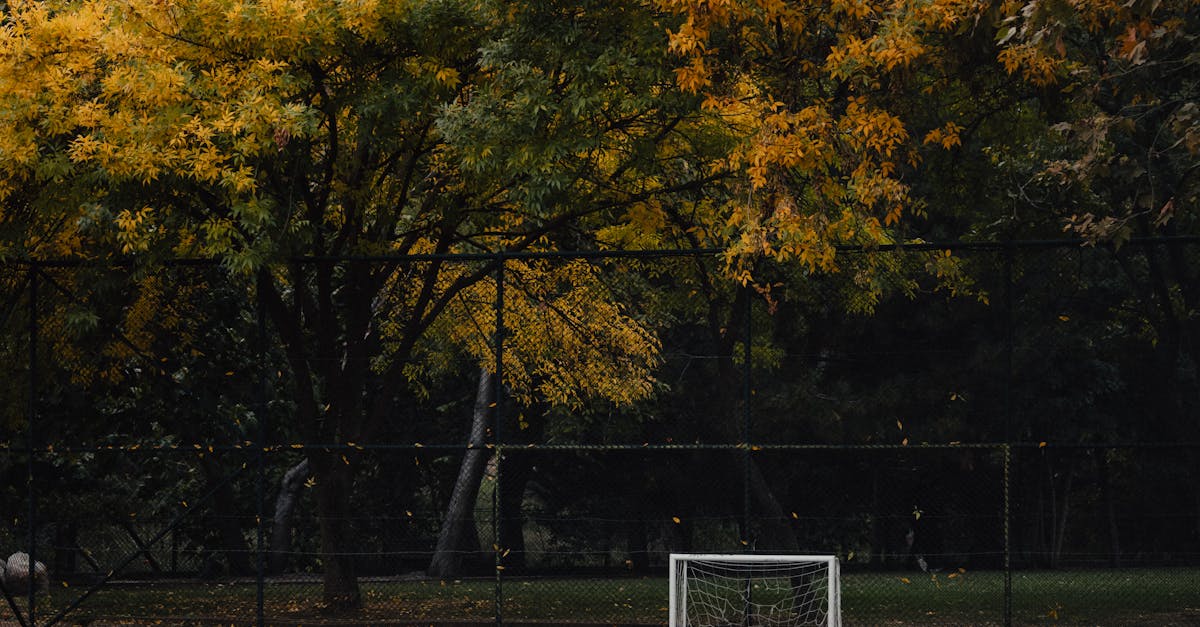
{"x": 460, "y": 513}
{"x": 879, "y": 546}
{"x": 335, "y": 482}
{"x": 639, "y": 544}
{"x": 224, "y": 517}
{"x": 66, "y": 542}
{"x": 1047, "y": 499}
{"x": 229, "y": 528}
{"x": 1060, "y": 527}
{"x": 285, "y": 507}
{"x": 328, "y": 353}
{"x": 515, "y": 471}
{"x": 1110, "y": 510}
{"x": 775, "y": 530}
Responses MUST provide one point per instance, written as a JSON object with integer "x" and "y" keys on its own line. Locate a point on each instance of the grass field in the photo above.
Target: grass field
{"x": 1101, "y": 597}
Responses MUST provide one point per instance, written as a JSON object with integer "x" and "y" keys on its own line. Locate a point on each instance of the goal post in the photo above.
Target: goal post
{"x": 709, "y": 590}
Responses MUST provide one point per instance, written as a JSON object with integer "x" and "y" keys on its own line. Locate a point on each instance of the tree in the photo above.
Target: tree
{"x": 262, "y": 133}
{"x": 1119, "y": 87}
{"x": 335, "y": 155}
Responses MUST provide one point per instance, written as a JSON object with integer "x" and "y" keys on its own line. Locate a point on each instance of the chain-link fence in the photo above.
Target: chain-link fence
{"x": 1022, "y": 451}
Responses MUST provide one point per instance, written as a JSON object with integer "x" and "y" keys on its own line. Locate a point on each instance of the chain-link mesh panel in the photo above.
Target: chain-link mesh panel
{"x": 136, "y": 521}
{"x": 170, "y": 440}
{"x": 1105, "y": 533}
{"x": 918, "y": 366}
{"x": 918, "y": 530}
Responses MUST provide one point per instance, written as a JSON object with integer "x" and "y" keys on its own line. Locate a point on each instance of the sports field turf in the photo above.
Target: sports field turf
{"x": 1064, "y": 597}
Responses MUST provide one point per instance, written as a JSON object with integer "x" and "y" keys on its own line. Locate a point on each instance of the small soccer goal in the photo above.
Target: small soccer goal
{"x": 747, "y": 590}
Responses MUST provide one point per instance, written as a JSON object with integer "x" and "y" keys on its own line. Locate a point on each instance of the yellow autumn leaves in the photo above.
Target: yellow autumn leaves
{"x": 567, "y": 340}
{"x": 132, "y": 91}
{"x": 819, "y": 171}
{"x": 142, "y": 88}
{"x": 843, "y": 160}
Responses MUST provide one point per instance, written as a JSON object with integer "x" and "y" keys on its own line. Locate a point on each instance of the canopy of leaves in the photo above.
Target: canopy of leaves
{"x": 259, "y": 131}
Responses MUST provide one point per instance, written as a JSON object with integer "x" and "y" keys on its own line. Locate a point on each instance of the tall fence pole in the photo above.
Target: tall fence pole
{"x": 1008, "y": 593}
{"x": 498, "y": 389}
{"x": 9, "y": 598}
{"x": 32, "y": 441}
{"x": 747, "y": 392}
{"x": 260, "y": 449}
{"x": 1009, "y": 333}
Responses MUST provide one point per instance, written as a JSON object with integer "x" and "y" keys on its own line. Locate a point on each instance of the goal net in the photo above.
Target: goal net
{"x": 746, "y": 590}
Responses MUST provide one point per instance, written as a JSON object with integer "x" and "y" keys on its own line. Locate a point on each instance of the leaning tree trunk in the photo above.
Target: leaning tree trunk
{"x": 776, "y": 533}
{"x": 285, "y": 508}
{"x": 460, "y": 514}
{"x": 1060, "y": 526}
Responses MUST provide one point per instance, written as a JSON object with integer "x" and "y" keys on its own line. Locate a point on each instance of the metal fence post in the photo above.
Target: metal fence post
{"x": 1009, "y": 333}
{"x": 1008, "y": 593}
{"x": 747, "y": 392}
{"x": 260, "y": 449}
{"x": 498, "y": 383}
{"x": 32, "y": 441}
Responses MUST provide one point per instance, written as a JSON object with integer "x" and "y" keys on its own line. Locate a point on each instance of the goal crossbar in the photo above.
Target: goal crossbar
{"x": 748, "y": 567}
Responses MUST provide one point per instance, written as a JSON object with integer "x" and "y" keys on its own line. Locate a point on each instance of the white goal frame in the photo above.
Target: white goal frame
{"x": 678, "y": 579}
